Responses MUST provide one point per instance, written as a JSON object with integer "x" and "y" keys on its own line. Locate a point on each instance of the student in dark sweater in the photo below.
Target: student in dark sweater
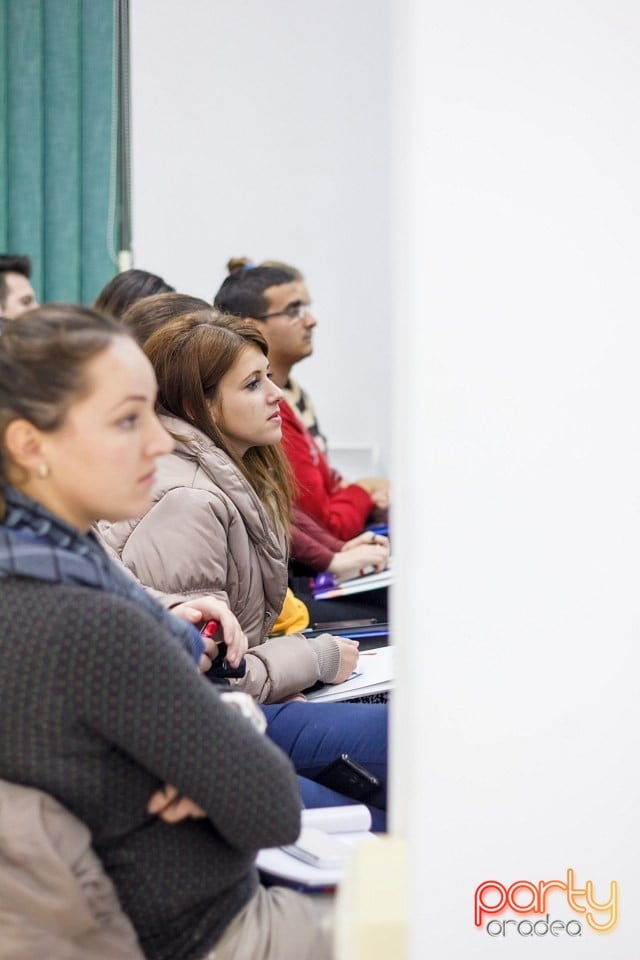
{"x": 102, "y": 705}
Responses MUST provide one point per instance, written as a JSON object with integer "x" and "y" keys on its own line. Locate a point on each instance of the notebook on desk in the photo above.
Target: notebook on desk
{"x": 325, "y": 586}
{"x": 350, "y": 825}
{"x": 358, "y": 630}
{"x": 374, "y": 674}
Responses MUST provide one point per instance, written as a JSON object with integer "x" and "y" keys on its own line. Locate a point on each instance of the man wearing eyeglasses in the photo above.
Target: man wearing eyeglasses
{"x": 275, "y": 294}
{"x": 289, "y": 334}
{"x": 275, "y": 297}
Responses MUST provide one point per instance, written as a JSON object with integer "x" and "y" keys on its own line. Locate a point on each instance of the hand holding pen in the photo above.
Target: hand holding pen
{"x": 367, "y": 553}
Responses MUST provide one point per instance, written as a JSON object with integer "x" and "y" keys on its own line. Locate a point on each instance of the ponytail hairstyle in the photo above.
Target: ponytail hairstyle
{"x": 242, "y": 293}
{"x": 190, "y": 355}
{"x": 43, "y": 360}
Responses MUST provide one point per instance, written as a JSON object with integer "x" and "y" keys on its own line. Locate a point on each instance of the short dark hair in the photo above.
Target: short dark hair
{"x": 127, "y": 288}
{"x": 12, "y": 263}
{"x": 242, "y": 293}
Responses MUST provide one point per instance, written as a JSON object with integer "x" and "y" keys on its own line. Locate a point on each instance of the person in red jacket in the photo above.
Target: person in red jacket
{"x": 313, "y": 549}
{"x": 311, "y": 545}
{"x": 275, "y": 296}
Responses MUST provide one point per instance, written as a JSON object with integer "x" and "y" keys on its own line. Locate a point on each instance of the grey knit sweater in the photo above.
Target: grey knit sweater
{"x": 99, "y": 707}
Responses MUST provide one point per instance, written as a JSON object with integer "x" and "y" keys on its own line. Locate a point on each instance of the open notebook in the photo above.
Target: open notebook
{"x": 349, "y": 825}
{"x": 374, "y": 674}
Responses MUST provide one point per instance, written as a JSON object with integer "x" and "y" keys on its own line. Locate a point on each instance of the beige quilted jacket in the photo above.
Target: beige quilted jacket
{"x": 208, "y": 533}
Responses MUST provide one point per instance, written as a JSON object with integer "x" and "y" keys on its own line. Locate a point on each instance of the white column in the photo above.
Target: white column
{"x": 517, "y": 474}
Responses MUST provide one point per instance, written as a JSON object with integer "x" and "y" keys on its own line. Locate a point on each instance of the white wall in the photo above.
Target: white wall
{"x": 517, "y": 462}
{"x": 516, "y": 341}
{"x": 261, "y": 129}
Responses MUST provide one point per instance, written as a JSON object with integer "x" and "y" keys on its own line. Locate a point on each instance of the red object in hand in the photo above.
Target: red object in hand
{"x": 209, "y": 628}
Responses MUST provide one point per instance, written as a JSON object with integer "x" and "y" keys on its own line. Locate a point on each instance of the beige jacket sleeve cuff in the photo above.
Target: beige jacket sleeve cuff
{"x": 327, "y": 651}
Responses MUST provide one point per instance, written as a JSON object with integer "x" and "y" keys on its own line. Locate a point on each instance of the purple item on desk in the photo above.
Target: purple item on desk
{"x": 324, "y": 581}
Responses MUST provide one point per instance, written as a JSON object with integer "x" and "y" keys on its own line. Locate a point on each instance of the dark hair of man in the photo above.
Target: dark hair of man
{"x": 242, "y": 293}
{"x": 127, "y": 288}
{"x": 148, "y": 315}
{"x": 190, "y": 356}
{"x": 281, "y": 265}
{"x": 43, "y": 362}
{"x": 12, "y": 263}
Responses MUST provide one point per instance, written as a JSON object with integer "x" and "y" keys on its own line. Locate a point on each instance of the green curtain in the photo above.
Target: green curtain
{"x": 58, "y": 197}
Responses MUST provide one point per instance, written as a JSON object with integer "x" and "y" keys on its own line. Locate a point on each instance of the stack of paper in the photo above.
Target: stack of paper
{"x": 351, "y": 824}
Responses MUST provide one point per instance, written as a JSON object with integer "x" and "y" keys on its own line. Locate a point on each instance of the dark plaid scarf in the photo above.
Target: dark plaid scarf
{"x": 39, "y": 546}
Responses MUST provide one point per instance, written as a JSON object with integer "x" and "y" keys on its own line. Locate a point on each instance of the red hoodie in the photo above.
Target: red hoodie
{"x": 343, "y": 510}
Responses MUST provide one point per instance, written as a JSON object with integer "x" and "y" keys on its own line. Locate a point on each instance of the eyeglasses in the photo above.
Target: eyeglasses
{"x": 297, "y": 311}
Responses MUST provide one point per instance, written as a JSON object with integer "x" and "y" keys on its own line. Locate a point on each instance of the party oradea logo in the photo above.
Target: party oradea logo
{"x": 535, "y": 906}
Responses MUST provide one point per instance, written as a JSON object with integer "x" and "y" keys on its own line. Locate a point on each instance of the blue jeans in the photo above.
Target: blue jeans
{"x": 315, "y": 734}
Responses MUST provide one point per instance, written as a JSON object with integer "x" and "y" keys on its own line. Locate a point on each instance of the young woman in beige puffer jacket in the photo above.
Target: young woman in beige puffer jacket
{"x": 222, "y": 500}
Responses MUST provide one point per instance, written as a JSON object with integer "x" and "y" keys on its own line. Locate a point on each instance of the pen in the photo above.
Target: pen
{"x": 365, "y": 571}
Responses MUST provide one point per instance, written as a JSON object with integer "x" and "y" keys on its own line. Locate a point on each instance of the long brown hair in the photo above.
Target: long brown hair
{"x": 190, "y": 355}
{"x": 43, "y": 359}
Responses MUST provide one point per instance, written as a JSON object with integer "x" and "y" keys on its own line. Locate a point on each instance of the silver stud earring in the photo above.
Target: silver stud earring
{"x": 43, "y": 470}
